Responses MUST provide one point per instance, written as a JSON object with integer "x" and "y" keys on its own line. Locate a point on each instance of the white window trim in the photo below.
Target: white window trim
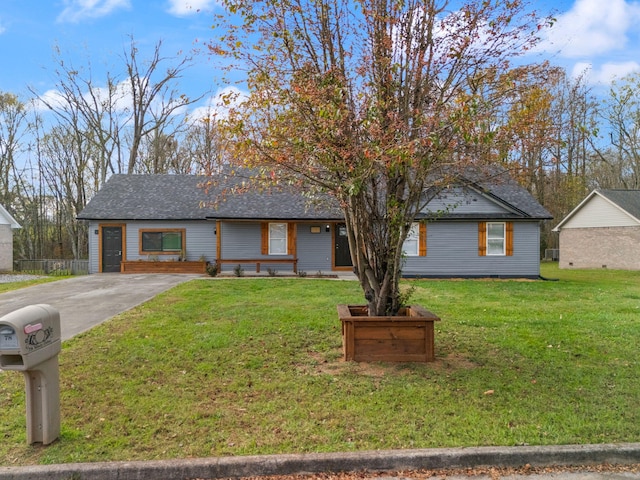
{"x": 413, "y": 235}
{"x": 503, "y": 238}
{"x": 286, "y": 246}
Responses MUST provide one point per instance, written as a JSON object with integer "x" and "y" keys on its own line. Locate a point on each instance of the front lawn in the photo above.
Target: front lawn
{"x": 253, "y": 366}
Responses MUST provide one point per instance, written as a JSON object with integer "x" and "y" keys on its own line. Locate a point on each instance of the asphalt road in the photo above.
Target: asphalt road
{"x": 85, "y": 301}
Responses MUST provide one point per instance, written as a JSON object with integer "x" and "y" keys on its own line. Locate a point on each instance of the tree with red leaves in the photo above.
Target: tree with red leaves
{"x": 378, "y": 103}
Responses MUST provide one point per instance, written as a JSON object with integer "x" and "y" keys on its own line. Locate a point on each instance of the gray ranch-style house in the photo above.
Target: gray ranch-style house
{"x": 480, "y": 231}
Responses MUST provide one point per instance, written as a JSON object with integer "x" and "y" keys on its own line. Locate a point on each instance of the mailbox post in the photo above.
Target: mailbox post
{"x": 30, "y": 343}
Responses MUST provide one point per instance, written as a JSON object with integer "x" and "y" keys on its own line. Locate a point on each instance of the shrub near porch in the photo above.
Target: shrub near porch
{"x": 252, "y": 366}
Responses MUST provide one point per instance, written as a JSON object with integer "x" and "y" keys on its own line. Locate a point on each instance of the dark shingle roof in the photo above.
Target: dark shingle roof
{"x": 144, "y": 197}
{"x": 513, "y": 195}
{"x": 628, "y": 200}
{"x": 183, "y": 197}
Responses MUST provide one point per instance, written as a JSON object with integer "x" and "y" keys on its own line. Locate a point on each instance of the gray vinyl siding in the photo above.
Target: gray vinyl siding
{"x": 452, "y": 250}
{"x": 93, "y": 247}
{"x": 242, "y": 240}
{"x": 314, "y": 249}
{"x": 463, "y": 201}
{"x": 200, "y": 239}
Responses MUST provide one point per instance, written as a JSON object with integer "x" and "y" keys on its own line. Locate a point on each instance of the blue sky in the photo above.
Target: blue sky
{"x": 97, "y": 31}
{"x": 601, "y": 36}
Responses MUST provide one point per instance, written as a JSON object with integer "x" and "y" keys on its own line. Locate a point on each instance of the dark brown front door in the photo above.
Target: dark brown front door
{"x": 342, "y": 255}
{"x": 111, "y": 249}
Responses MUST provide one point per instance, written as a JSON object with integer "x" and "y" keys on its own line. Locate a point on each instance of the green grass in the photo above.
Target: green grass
{"x": 253, "y": 366}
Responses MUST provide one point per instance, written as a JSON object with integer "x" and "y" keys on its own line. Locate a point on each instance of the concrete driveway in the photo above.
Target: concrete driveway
{"x": 86, "y": 301}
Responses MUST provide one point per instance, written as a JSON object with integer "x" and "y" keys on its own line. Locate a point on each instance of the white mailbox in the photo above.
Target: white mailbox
{"x": 29, "y": 336}
{"x": 30, "y": 343}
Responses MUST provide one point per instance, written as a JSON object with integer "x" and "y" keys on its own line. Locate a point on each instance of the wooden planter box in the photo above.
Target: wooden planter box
{"x": 162, "y": 267}
{"x": 405, "y": 338}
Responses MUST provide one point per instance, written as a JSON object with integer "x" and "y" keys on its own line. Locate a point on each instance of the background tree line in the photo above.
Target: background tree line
{"x": 56, "y": 151}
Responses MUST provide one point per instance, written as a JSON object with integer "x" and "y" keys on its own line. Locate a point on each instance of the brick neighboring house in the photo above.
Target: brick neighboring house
{"x": 7, "y": 224}
{"x": 603, "y": 231}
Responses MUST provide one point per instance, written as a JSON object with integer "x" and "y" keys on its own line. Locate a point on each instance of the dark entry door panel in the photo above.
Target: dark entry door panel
{"x": 111, "y": 249}
{"x": 342, "y": 254}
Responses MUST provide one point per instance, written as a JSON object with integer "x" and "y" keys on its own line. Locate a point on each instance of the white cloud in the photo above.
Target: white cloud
{"x": 183, "y": 8}
{"x": 50, "y": 97}
{"x": 582, "y": 69}
{"x": 592, "y": 27}
{"x": 609, "y": 72}
{"x": 78, "y": 10}
{"x": 604, "y": 74}
{"x": 219, "y": 104}
{"x": 121, "y": 99}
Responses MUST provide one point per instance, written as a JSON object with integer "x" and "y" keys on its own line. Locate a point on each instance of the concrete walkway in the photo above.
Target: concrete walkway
{"x": 86, "y": 301}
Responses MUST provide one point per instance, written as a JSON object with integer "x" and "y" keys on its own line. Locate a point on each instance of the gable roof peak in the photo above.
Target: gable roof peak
{"x": 627, "y": 201}
{"x": 7, "y": 219}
